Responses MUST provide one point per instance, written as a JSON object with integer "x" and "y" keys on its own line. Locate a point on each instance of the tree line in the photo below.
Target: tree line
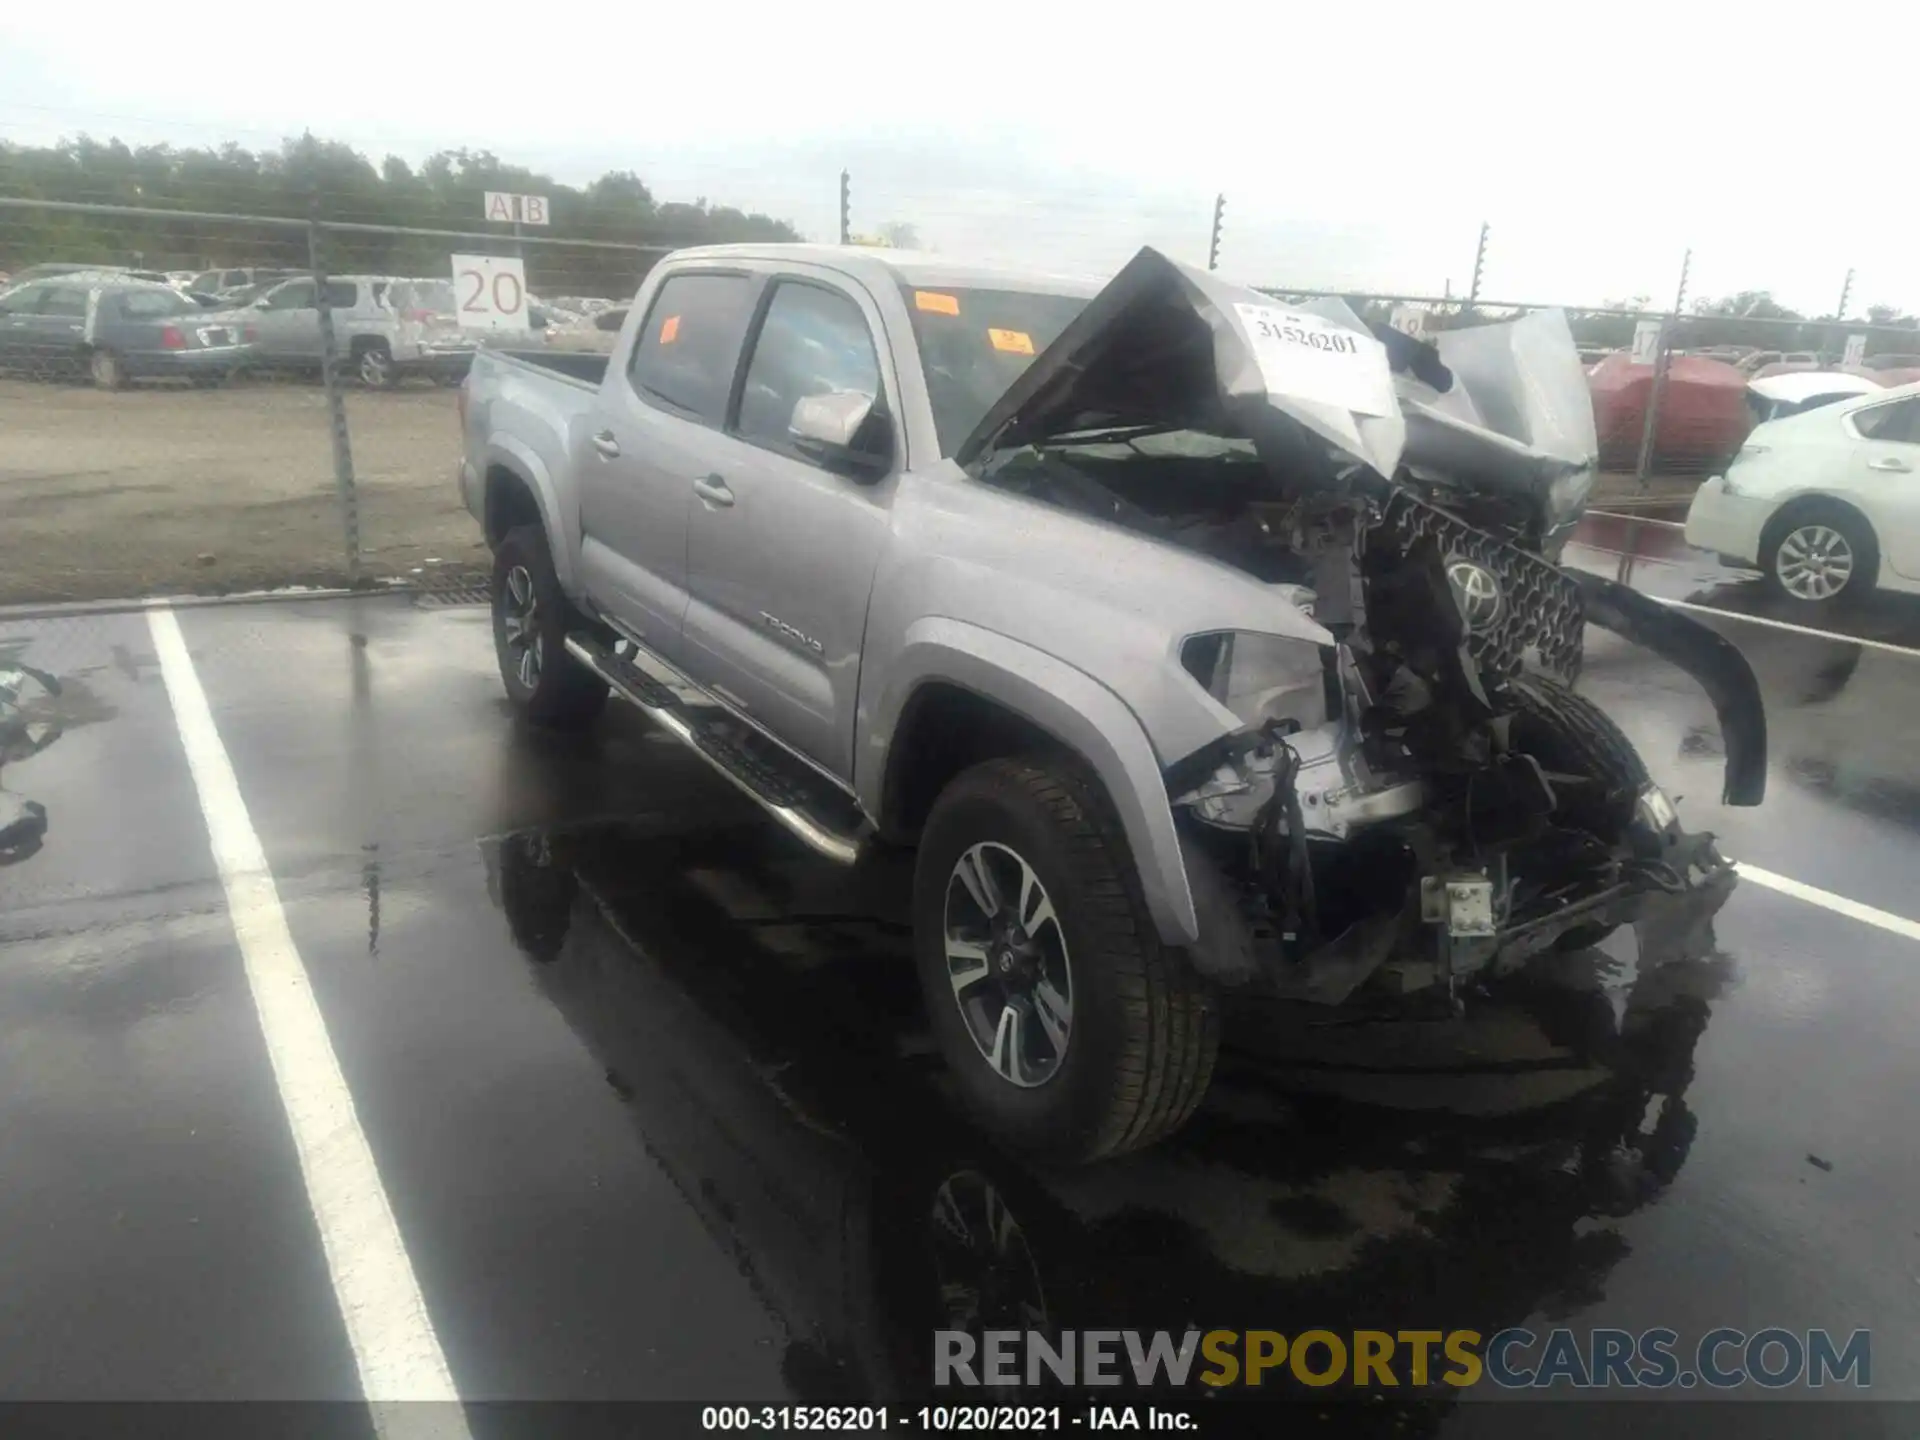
{"x": 310, "y": 178}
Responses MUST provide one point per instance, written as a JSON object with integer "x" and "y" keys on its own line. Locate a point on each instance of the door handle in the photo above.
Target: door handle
{"x": 604, "y": 442}
{"x": 713, "y": 490}
{"x": 1889, "y": 462}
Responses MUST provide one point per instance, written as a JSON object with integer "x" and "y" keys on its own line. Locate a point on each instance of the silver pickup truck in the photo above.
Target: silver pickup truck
{"x": 1204, "y": 646}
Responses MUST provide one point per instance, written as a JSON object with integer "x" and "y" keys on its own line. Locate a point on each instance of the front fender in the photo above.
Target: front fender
{"x": 1069, "y": 705}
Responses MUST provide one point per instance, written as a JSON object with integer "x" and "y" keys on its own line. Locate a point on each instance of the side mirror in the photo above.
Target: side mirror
{"x": 611, "y": 319}
{"x": 844, "y": 431}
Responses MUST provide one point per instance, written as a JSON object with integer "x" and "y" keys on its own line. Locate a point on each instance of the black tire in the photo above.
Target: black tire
{"x": 1144, "y": 1027}
{"x": 1817, "y": 517}
{"x": 373, "y": 363}
{"x": 1569, "y": 734}
{"x": 106, "y": 369}
{"x": 563, "y": 693}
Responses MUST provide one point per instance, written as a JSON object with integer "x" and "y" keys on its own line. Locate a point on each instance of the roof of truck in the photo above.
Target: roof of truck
{"x": 878, "y": 265}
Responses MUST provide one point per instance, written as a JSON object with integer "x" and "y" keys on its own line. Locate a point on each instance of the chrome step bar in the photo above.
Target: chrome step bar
{"x": 823, "y": 839}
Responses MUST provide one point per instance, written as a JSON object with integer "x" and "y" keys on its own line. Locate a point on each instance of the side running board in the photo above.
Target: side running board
{"x": 822, "y": 817}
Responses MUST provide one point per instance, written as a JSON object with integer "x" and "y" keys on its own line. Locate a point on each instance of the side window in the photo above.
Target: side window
{"x": 1900, "y": 421}
{"x": 294, "y": 295}
{"x": 814, "y": 341}
{"x": 147, "y": 305}
{"x": 342, "y": 294}
{"x": 685, "y": 353}
{"x": 24, "y": 301}
{"x": 235, "y": 278}
{"x": 63, "y": 300}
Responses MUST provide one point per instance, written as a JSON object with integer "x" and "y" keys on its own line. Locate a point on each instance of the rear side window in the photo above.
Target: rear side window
{"x": 342, "y": 294}
{"x": 153, "y": 304}
{"x": 1899, "y": 421}
{"x": 685, "y": 353}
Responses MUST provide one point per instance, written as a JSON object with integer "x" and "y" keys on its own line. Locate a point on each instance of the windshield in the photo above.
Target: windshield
{"x": 974, "y": 343}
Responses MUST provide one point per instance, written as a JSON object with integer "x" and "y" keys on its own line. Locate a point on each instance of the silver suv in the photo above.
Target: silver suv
{"x": 384, "y": 327}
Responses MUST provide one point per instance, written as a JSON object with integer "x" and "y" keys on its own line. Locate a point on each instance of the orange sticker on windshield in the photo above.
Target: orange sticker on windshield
{"x": 670, "y": 329}
{"x": 1014, "y": 342}
{"x": 934, "y": 301}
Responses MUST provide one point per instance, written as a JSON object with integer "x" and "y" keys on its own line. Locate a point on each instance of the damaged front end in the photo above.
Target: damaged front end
{"x": 1428, "y": 799}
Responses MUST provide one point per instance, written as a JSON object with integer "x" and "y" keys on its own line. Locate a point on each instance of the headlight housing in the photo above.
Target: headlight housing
{"x": 1567, "y": 495}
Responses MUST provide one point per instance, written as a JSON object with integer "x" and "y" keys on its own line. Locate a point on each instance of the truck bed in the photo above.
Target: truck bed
{"x": 584, "y": 367}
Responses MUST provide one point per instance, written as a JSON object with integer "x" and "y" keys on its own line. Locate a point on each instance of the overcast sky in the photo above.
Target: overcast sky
{"x": 1359, "y": 146}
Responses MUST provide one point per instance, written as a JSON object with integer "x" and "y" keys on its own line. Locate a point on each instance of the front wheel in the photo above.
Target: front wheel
{"x": 530, "y": 612}
{"x": 1072, "y": 1033}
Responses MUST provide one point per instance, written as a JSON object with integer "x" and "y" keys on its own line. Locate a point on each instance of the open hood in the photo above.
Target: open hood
{"x": 1166, "y": 344}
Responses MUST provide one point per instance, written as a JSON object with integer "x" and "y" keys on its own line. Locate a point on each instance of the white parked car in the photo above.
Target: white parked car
{"x": 1826, "y": 502}
{"x": 1775, "y": 397}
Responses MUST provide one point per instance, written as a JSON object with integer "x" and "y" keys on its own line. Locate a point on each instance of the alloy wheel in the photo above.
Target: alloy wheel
{"x": 520, "y": 626}
{"x": 1815, "y": 563}
{"x": 1008, "y": 965}
{"x": 376, "y": 367}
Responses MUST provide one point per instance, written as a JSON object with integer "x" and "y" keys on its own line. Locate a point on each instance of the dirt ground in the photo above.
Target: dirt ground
{"x": 166, "y": 490}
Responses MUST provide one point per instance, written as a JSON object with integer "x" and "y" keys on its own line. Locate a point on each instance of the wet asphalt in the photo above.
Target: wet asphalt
{"x": 649, "y": 1089}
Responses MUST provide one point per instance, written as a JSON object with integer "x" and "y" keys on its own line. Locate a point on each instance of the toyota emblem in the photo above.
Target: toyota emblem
{"x": 1477, "y": 592}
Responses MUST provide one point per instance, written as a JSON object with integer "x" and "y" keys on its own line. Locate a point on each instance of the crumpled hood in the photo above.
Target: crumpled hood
{"x": 1167, "y": 344}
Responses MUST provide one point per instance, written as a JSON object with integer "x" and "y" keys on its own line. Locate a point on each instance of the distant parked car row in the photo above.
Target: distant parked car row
{"x": 81, "y": 320}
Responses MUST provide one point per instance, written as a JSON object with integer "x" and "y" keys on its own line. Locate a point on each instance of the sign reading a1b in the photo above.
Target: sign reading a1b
{"x": 490, "y": 292}
{"x": 516, "y": 209}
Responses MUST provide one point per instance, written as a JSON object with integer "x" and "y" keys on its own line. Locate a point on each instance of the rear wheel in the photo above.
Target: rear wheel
{"x": 530, "y": 615}
{"x": 376, "y": 368}
{"x": 1071, "y": 1031}
{"x": 108, "y": 370}
{"x": 1819, "y": 554}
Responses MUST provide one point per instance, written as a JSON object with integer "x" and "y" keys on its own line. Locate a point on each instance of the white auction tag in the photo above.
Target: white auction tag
{"x": 1303, "y": 357}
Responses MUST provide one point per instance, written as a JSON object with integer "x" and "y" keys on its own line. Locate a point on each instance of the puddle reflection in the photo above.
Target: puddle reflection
{"x": 757, "y": 1013}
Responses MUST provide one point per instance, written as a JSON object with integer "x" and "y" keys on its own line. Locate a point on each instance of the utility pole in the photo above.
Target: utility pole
{"x": 1846, "y": 294}
{"x": 846, "y": 208}
{"x": 1479, "y": 266}
{"x": 1213, "y": 245}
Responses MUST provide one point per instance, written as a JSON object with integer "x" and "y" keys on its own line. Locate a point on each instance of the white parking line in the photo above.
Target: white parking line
{"x": 394, "y": 1345}
{"x": 1887, "y": 645}
{"x": 1826, "y": 899}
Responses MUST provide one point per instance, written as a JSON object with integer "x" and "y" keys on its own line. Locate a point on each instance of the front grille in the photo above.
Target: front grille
{"x": 1539, "y": 614}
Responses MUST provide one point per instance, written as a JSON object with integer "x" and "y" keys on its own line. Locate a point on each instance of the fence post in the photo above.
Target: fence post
{"x": 1479, "y": 266}
{"x": 1662, "y": 361}
{"x": 1213, "y": 245}
{"x": 343, "y": 482}
{"x": 846, "y": 209}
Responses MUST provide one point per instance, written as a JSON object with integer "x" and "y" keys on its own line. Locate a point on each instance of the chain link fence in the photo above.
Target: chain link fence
{"x": 205, "y": 402}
